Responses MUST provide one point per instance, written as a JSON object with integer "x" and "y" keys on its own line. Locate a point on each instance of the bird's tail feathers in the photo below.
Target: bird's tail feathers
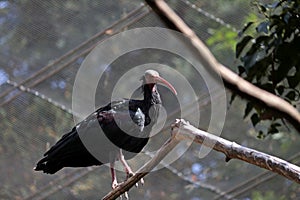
{"x": 47, "y": 166}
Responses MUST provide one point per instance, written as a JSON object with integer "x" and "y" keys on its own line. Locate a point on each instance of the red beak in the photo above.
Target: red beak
{"x": 163, "y": 81}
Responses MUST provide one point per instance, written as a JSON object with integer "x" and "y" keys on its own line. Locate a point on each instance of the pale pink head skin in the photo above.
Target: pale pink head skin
{"x": 152, "y": 76}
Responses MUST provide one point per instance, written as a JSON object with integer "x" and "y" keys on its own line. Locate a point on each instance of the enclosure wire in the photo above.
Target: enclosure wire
{"x": 254, "y": 181}
{"x": 84, "y": 53}
{"x": 209, "y": 15}
{"x": 68, "y": 54}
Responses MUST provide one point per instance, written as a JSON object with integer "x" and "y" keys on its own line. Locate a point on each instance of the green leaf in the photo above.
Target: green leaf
{"x": 255, "y": 119}
{"x": 273, "y": 131}
{"x": 273, "y": 5}
{"x": 291, "y": 95}
{"x": 293, "y": 81}
{"x": 241, "y": 70}
{"x": 268, "y": 87}
{"x": 287, "y": 17}
{"x": 233, "y": 95}
{"x": 263, "y": 40}
{"x": 280, "y": 73}
{"x": 280, "y": 89}
{"x": 263, "y": 8}
{"x": 241, "y": 45}
{"x": 275, "y": 21}
{"x": 249, "y": 60}
{"x": 245, "y": 28}
{"x": 248, "y": 109}
{"x": 263, "y": 27}
{"x": 273, "y": 128}
{"x": 276, "y": 124}
{"x": 261, "y": 135}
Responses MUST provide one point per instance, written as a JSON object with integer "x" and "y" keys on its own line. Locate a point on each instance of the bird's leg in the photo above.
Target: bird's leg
{"x": 114, "y": 182}
{"x": 128, "y": 170}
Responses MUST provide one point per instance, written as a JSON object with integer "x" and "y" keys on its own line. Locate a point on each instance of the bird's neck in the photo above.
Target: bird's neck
{"x": 151, "y": 95}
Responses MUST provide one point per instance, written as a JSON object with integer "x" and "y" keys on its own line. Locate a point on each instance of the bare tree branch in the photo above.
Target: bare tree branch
{"x": 182, "y": 130}
{"x": 143, "y": 171}
{"x": 232, "y": 80}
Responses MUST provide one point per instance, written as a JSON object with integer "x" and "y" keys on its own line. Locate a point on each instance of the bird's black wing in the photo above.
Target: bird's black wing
{"x": 126, "y": 130}
{"x": 69, "y": 151}
{"x": 96, "y": 139}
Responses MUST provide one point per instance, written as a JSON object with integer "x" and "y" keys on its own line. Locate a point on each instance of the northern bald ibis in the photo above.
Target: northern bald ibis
{"x": 70, "y": 151}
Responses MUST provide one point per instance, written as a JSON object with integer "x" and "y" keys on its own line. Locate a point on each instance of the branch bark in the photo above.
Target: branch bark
{"x": 143, "y": 171}
{"x": 182, "y": 130}
{"x": 231, "y": 79}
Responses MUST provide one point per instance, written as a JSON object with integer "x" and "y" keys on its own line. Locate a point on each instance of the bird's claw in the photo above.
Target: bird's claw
{"x": 126, "y": 195}
{"x": 142, "y": 181}
{"x": 130, "y": 174}
{"x": 114, "y": 184}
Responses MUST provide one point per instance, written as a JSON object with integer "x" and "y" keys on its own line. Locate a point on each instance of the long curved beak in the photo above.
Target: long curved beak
{"x": 163, "y": 81}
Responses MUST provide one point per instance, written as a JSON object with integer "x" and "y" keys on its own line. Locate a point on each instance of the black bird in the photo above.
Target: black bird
{"x": 125, "y": 124}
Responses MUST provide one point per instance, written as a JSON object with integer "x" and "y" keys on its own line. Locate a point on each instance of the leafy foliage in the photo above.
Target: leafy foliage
{"x": 270, "y": 56}
{"x": 223, "y": 39}
{"x": 266, "y": 196}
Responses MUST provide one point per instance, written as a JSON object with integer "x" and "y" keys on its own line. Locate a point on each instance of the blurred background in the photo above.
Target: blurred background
{"x": 43, "y": 44}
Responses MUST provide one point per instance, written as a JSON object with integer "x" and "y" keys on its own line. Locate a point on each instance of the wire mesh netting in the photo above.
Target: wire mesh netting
{"x": 43, "y": 45}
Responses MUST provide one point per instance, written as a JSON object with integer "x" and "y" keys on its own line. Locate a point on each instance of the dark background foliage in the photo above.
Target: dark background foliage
{"x": 270, "y": 57}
